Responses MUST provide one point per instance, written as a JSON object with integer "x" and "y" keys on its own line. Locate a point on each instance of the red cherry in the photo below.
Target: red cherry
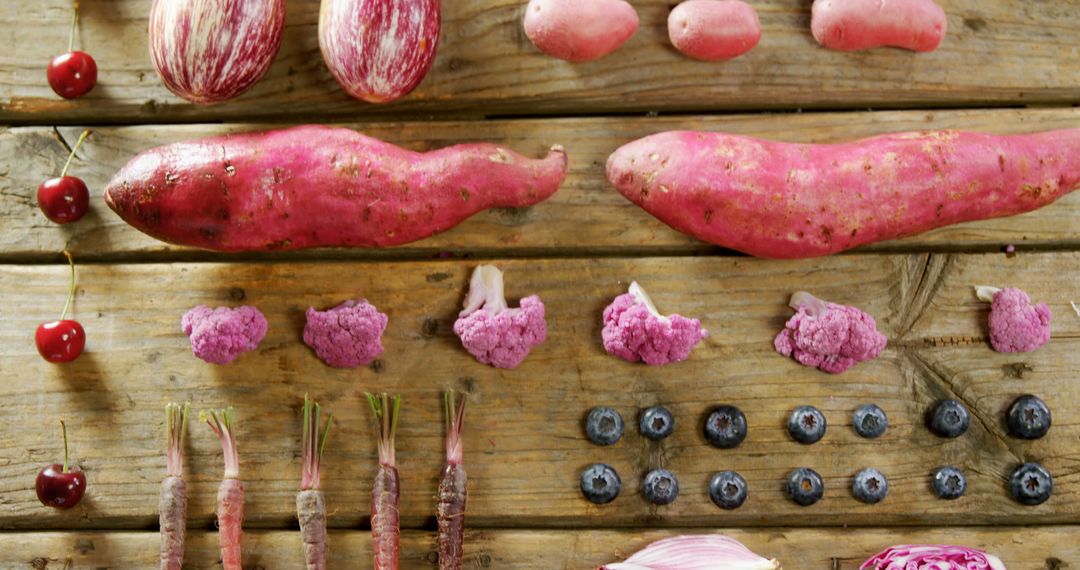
{"x": 63, "y": 200}
{"x": 58, "y": 485}
{"x": 72, "y": 75}
{"x": 60, "y": 341}
{"x": 60, "y": 489}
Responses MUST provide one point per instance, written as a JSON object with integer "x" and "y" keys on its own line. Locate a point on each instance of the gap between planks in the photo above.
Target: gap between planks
{"x": 840, "y": 548}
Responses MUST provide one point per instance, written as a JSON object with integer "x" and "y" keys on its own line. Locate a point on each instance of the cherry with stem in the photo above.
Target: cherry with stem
{"x": 65, "y": 199}
{"x": 61, "y": 486}
{"x": 62, "y": 340}
{"x": 73, "y": 74}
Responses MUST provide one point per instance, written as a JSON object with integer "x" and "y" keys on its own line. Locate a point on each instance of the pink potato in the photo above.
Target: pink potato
{"x": 851, "y": 25}
{"x": 786, "y": 200}
{"x": 317, "y": 186}
{"x": 579, "y": 30}
{"x": 714, "y": 30}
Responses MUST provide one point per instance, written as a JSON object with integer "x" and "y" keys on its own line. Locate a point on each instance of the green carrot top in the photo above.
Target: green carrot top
{"x": 175, "y": 428}
{"x": 223, "y": 427}
{"x": 387, "y": 418}
{"x": 312, "y": 450}
{"x": 455, "y": 416}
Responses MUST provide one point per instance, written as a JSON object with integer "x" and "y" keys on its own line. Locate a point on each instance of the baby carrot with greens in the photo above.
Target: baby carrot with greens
{"x": 172, "y": 508}
{"x": 310, "y": 503}
{"x": 385, "y": 492}
{"x": 230, "y": 497}
{"x": 452, "y": 489}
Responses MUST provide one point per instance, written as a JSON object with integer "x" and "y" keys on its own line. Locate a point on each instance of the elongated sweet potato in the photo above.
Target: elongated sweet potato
{"x": 784, "y": 200}
{"x": 851, "y": 25}
{"x": 316, "y": 186}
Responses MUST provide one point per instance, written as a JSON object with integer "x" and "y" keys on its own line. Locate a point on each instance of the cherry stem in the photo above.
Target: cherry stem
{"x": 63, "y": 427}
{"x": 74, "y": 149}
{"x": 71, "y": 288}
{"x": 74, "y": 22}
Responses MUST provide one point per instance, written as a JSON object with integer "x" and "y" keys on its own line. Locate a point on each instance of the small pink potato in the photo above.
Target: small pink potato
{"x": 579, "y": 30}
{"x": 850, "y": 25}
{"x": 714, "y": 30}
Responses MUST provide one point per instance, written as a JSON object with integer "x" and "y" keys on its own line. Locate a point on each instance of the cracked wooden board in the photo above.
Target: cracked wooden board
{"x": 524, "y": 442}
{"x": 954, "y": 314}
{"x": 586, "y": 217}
{"x": 1019, "y": 548}
{"x": 1006, "y": 52}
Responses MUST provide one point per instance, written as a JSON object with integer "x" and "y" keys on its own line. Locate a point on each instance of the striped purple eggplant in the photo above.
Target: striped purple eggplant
{"x": 379, "y": 50}
{"x": 208, "y": 51}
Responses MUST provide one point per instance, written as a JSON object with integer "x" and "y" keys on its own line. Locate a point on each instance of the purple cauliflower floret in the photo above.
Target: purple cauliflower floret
{"x": 1015, "y": 324}
{"x": 220, "y": 335}
{"x": 634, "y": 330}
{"x": 493, "y": 332}
{"x": 827, "y": 336}
{"x": 347, "y": 336}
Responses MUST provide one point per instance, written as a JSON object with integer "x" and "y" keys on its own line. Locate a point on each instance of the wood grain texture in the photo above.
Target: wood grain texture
{"x": 524, "y": 444}
{"x": 1005, "y": 52}
{"x": 586, "y": 217}
{"x": 1020, "y": 548}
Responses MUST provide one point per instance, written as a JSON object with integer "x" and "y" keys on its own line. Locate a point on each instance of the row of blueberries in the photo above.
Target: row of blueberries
{"x": 1030, "y": 484}
{"x": 1028, "y": 417}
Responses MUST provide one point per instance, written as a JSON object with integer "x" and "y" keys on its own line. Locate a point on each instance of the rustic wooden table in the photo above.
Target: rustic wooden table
{"x": 1005, "y": 66}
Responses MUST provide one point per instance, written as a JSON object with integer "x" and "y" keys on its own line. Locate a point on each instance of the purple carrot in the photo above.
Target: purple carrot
{"x": 452, "y": 489}
{"x": 230, "y": 497}
{"x": 385, "y": 492}
{"x": 172, "y": 507}
{"x": 310, "y": 503}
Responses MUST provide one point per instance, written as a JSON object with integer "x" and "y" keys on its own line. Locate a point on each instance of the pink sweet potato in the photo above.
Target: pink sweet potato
{"x": 579, "y": 30}
{"x": 784, "y": 200}
{"x": 850, "y": 25}
{"x": 316, "y": 186}
{"x": 714, "y": 30}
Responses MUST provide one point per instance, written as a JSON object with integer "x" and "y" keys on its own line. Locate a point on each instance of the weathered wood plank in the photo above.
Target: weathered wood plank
{"x": 953, "y": 313}
{"x": 587, "y": 216}
{"x": 524, "y": 443}
{"x": 1004, "y": 52}
{"x": 1020, "y": 548}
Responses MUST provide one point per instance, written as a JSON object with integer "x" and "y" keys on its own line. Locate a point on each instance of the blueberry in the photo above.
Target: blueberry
{"x": 806, "y": 424}
{"x": 1029, "y": 418}
{"x": 728, "y": 490}
{"x": 805, "y": 486}
{"x": 661, "y": 487}
{"x": 726, "y": 427}
{"x": 656, "y": 423}
{"x": 1031, "y": 484}
{"x": 603, "y": 426}
{"x": 870, "y": 421}
{"x": 949, "y": 418}
{"x": 600, "y": 483}
{"x": 870, "y": 486}
{"x": 949, "y": 483}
